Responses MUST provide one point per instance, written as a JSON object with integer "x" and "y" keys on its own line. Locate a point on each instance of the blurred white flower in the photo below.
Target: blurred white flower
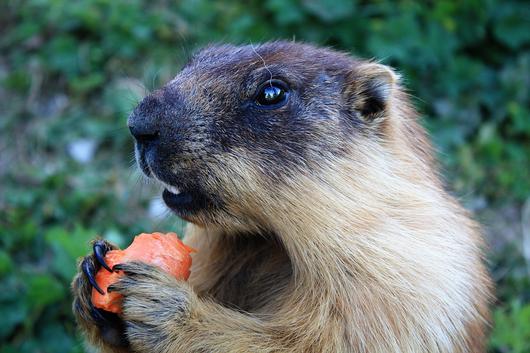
{"x": 82, "y": 150}
{"x": 157, "y": 209}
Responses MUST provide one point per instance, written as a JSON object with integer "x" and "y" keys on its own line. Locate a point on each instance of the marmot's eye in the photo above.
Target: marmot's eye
{"x": 272, "y": 94}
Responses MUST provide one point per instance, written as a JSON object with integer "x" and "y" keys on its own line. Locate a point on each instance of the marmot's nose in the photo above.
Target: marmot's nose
{"x": 143, "y": 133}
{"x": 144, "y": 121}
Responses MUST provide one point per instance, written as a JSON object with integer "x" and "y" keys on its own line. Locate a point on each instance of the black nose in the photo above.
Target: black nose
{"x": 144, "y": 133}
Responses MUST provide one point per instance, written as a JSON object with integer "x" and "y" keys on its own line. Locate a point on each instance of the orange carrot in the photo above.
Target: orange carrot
{"x": 166, "y": 251}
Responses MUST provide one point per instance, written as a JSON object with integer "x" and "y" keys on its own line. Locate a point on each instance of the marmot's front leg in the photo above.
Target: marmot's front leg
{"x": 164, "y": 315}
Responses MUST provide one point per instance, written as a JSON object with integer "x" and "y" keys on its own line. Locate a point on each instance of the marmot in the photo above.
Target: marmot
{"x": 314, "y": 202}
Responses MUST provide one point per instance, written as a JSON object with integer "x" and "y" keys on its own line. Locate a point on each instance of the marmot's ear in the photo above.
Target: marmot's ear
{"x": 368, "y": 89}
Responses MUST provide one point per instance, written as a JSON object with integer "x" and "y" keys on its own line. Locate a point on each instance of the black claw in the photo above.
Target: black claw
{"x": 88, "y": 270}
{"x": 100, "y": 249}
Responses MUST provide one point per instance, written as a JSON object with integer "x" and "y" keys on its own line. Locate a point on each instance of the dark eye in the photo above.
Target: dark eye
{"x": 272, "y": 94}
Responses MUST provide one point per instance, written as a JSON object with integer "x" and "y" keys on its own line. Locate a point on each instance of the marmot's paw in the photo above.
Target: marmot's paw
{"x": 154, "y": 304}
{"x": 100, "y": 323}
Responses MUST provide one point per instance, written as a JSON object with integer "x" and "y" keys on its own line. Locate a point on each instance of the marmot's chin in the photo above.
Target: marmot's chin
{"x": 178, "y": 199}
{"x": 182, "y": 200}
{"x": 185, "y": 203}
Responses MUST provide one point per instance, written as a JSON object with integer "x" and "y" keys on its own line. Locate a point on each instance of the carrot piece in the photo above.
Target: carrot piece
{"x": 166, "y": 251}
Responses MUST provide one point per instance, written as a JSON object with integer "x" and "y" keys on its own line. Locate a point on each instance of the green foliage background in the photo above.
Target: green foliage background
{"x": 70, "y": 71}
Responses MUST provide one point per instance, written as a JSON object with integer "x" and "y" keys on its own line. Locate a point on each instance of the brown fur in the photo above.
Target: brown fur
{"x": 357, "y": 248}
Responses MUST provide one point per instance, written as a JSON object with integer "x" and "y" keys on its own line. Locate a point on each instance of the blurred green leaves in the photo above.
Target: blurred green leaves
{"x": 71, "y": 71}
{"x": 42, "y": 290}
{"x": 67, "y": 248}
{"x": 512, "y": 328}
{"x": 330, "y": 10}
{"x": 509, "y": 20}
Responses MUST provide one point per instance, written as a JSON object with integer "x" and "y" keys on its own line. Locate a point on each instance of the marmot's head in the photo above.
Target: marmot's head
{"x": 236, "y": 122}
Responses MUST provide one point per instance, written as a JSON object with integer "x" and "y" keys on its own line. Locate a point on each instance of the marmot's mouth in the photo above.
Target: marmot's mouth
{"x": 186, "y": 199}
